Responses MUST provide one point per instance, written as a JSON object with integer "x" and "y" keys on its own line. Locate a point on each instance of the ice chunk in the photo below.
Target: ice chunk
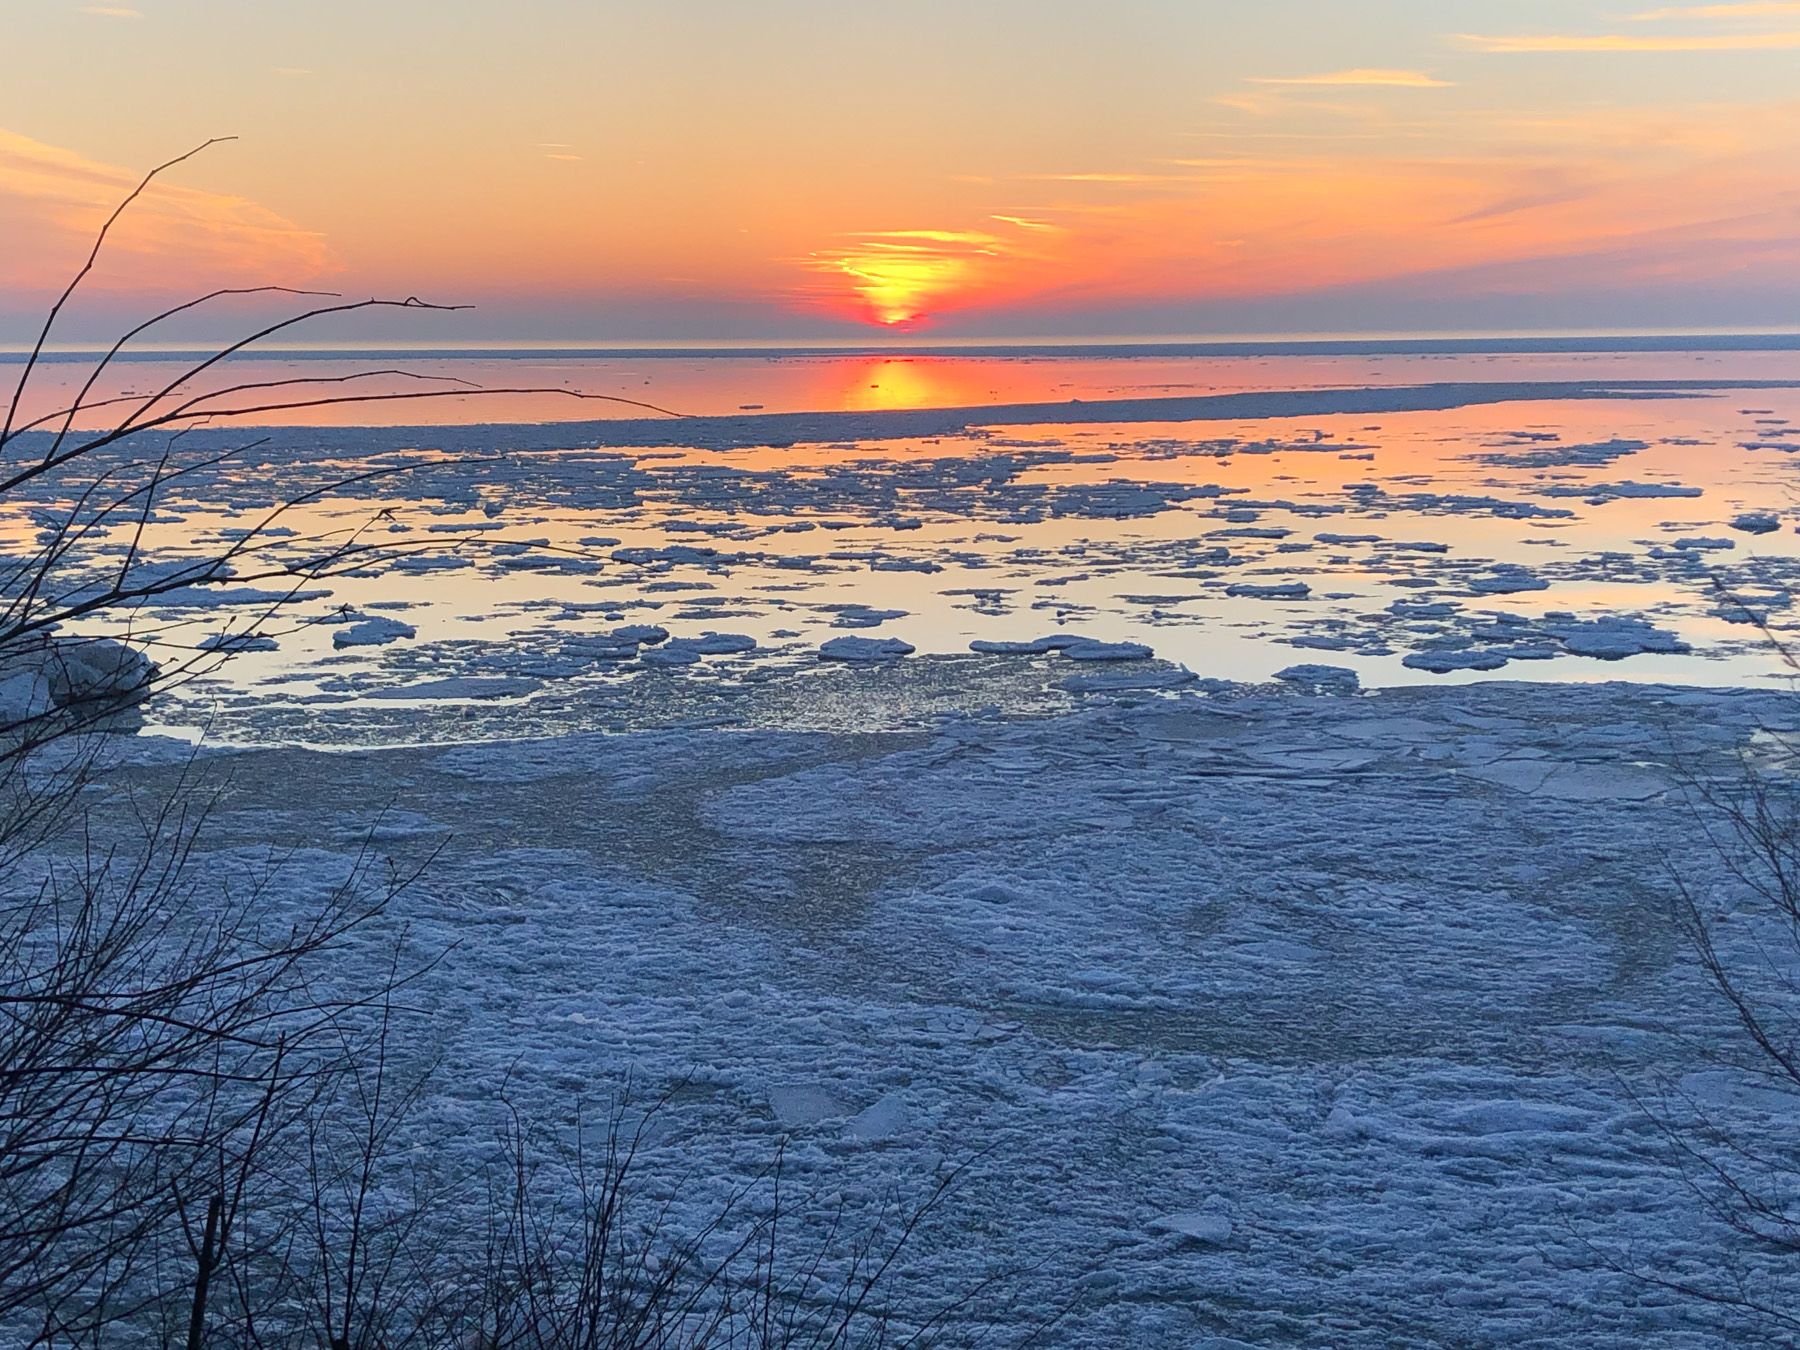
{"x": 1207, "y": 1227}
{"x": 372, "y": 631}
{"x": 24, "y": 695}
{"x": 883, "y": 1120}
{"x": 1613, "y": 638}
{"x": 1090, "y": 649}
{"x": 462, "y": 686}
{"x": 646, "y": 634}
{"x": 1444, "y": 662}
{"x": 990, "y": 647}
{"x": 1277, "y": 590}
{"x": 720, "y": 644}
{"x": 1119, "y": 681}
{"x": 864, "y": 649}
{"x": 1321, "y": 679}
{"x": 1506, "y": 580}
{"x": 799, "y": 1104}
{"x": 1756, "y": 522}
{"x": 238, "y": 642}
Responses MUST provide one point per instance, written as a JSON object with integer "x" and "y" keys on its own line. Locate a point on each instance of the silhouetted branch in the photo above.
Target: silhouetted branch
{"x": 43, "y": 336}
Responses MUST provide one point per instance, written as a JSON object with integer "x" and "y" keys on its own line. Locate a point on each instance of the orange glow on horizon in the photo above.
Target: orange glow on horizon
{"x": 1097, "y": 170}
{"x": 899, "y": 278}
{"x": 1645, "y": 197}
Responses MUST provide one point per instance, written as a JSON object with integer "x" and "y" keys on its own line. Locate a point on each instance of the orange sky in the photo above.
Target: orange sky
{"x": 710, "y": 170}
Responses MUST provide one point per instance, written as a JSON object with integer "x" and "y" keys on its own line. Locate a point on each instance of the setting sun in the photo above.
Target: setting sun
{"x": 896, "y": 287}
{"x": 900, "y": 277}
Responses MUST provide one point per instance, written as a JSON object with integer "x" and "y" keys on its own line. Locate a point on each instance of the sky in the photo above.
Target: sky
{"x": 790, "y": 170}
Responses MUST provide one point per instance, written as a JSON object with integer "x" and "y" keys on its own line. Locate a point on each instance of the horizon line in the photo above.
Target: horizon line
{"x": 1513, "y": 342}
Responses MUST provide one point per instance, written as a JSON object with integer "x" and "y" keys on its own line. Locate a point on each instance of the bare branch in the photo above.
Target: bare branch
{"x": 43, "y": 336}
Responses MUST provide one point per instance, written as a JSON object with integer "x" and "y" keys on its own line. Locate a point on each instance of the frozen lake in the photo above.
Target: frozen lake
{"x": 886, "y": 761}
{"x": 1412, "y": 516}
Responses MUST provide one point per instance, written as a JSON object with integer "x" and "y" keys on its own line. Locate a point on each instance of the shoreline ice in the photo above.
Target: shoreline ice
{"x": 1258, "y": 1014}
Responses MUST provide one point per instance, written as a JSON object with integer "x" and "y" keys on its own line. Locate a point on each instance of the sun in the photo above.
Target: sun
{"x": 899, "y": 278}
{"x": 897, "y": 285}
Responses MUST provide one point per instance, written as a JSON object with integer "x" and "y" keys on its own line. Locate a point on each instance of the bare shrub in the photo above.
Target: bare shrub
{"x": 200, "y": 1134}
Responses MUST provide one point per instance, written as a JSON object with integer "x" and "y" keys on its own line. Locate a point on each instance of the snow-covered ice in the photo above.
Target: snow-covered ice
{"x": 1282, "y": 1016}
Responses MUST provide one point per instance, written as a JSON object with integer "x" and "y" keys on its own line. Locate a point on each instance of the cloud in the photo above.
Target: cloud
{"x": 1531, "y": 43}
{"x": 911, "y": 238}
{"x": 112, "y": 11}
{"x": 1112, "y": 178}
{"x": 52, "y": 200}
{"x": 1765, "y": 9}
{"x": 1365, "y": 78}
{"x": 1617, "y": 200}
{"x": 1023, "y": 223}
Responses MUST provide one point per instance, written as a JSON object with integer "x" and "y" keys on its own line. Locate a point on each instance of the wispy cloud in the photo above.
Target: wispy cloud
{"x": 1762, "y": 9}
{"x": 52, "y": 200}
{"x": 1024, "y": 223}
{"x": 1586, "y": 197}
{"x": 933, "y": 236}
{"x": 1113, "y": 178}
{"x": 1365, "y": 78}
{"x": 1532, "y": 43}
{"x": 1289, "y": 101}
{"x": 113, "y": 11}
